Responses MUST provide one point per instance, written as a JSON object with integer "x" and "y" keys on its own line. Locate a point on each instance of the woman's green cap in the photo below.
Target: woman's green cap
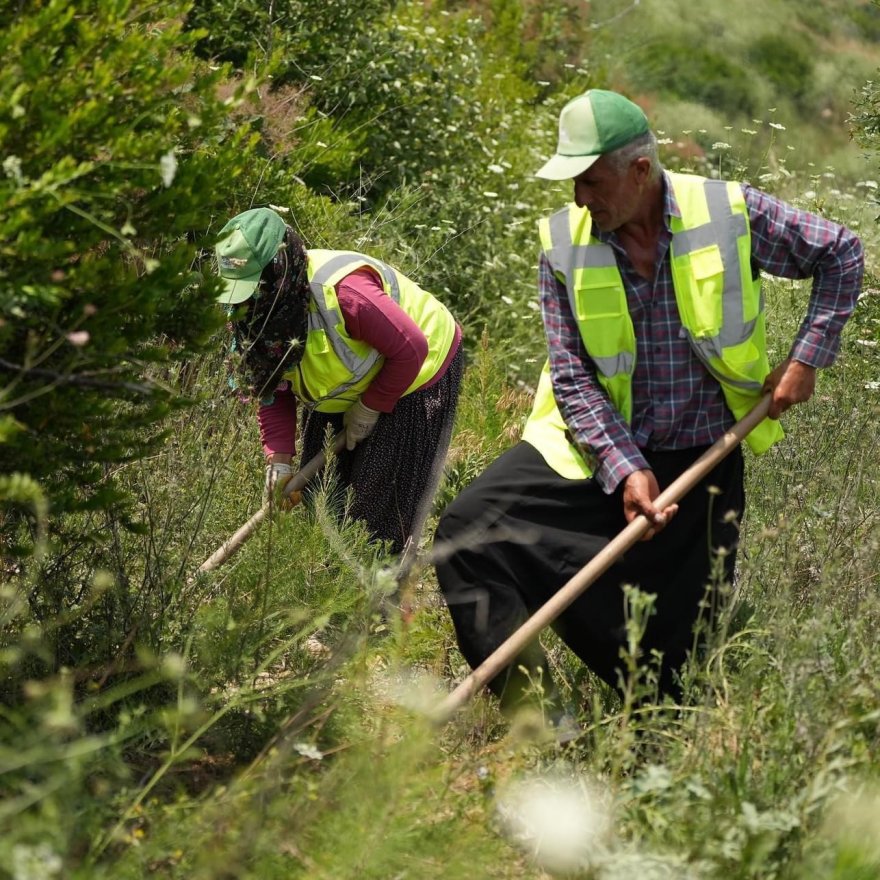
{"x": 247, "y": 244}
{"x": 591, "y": 125}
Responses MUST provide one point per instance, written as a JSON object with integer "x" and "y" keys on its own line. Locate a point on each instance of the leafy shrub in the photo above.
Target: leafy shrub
{"x": 866, "y": 118}
{"x": 786, "y": 60}
{"x": 117, "y": 154}
{"x": 695, "y": 73}
{"x": 865, "y": 17}
{"x": 294, "y": 39}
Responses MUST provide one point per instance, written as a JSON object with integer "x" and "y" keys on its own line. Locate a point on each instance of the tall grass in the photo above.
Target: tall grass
{"x": 279, "y": 730}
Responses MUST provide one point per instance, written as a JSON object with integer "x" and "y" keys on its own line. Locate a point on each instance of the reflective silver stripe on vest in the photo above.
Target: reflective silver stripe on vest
{"x": 328, "y": 319}
{"x": 725, "y": 226}
{"x": 566, "y": 258}
{"x": 333, "y": 265}
{"x": 611, "y": 366}
{"x": 705, "y": 352}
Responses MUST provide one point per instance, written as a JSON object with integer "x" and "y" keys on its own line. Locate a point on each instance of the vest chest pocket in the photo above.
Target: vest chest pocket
{"x": 598, "y": 301}
{"x": 743, "y": 361}
{"x": 317, "y": 342}
{"x": 605, "y": 323}
{"x": 707, "y": 302}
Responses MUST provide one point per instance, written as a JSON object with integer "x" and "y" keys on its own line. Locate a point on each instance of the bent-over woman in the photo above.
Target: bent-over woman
{"x": 362, "y": 347}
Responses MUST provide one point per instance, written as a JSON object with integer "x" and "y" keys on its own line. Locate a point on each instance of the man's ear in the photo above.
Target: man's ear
{"x": 642, "y": 167}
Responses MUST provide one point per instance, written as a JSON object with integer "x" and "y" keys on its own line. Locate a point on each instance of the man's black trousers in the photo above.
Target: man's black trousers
{"x": 520, "y": 531}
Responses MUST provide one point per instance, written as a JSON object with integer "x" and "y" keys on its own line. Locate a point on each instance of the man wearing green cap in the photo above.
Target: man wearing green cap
{"x": 650, "y": 296}
{"x": 361, "y": 347}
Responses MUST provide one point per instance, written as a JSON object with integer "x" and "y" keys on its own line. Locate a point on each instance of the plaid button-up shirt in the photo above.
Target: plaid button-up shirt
{"x": 676, "y": 403}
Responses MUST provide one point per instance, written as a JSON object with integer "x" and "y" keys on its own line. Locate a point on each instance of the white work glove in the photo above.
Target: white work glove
{"x": 278, "y": 475}
{"x": 359, "y": 421}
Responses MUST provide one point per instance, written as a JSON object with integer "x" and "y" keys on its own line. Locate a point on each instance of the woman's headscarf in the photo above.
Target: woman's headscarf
{"x": 269, "y": 329}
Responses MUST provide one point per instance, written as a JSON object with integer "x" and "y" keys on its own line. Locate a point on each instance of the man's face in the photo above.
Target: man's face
{"x": 611, "y": 197}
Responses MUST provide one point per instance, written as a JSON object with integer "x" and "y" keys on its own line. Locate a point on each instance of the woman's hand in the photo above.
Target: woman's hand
{"x": 359, "y": 421}
{"x": 278, "y": 475}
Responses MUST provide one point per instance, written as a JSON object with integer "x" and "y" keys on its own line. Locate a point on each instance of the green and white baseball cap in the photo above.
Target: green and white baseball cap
{"x": 247, "y": 244}
{"x": 591, "y": 125}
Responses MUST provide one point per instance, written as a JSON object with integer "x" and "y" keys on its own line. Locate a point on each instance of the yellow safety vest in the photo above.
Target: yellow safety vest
{"x": 336, "y": 369}
{"x": 720, "y": 305}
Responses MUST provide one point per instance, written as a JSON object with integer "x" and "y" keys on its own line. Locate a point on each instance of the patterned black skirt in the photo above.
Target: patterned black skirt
{"x": 395, "y": 472}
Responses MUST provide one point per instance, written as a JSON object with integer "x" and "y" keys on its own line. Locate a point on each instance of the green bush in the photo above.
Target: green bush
{"x": 866, "y": 118}
{"x": 865, "y": 18}
{"x": 786, "y": 61}
{"x": 118, "y": 154}
{"x": 292, "y": 39}
{"x": 695, "y": 73}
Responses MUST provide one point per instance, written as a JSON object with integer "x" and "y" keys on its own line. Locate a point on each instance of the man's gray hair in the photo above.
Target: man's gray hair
{"x": 644, "y": 145}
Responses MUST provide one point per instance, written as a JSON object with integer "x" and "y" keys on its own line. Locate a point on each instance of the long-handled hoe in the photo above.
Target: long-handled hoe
{"x": 547, "y": 613}
{"x": 295, "y": 484}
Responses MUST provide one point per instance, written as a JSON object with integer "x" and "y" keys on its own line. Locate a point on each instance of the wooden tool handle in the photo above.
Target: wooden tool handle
{"x": 295, "y": 483}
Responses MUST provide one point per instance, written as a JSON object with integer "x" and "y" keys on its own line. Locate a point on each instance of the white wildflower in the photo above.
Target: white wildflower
{"x": 39, "y": 862}
{"x": 78, "y": 338}
{"x": 174, "y": 665}
{"x": 558, "y": 820}
{"x": 168, "y": 168}
{"x": 307, "y": 750}
{"x": 853, "y": 823}
{"x": 417, "y": 692}
{"x": 12, "y": 168}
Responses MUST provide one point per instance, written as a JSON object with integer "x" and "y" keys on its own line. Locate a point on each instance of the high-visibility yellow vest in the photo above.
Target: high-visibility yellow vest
{"x": 336, "y": 369}
{"x": 720, "y": 305}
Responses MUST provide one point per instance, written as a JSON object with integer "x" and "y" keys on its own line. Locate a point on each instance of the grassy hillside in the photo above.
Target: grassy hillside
{"x": 733, "y": 66}
{"x": 267, "y": 720}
